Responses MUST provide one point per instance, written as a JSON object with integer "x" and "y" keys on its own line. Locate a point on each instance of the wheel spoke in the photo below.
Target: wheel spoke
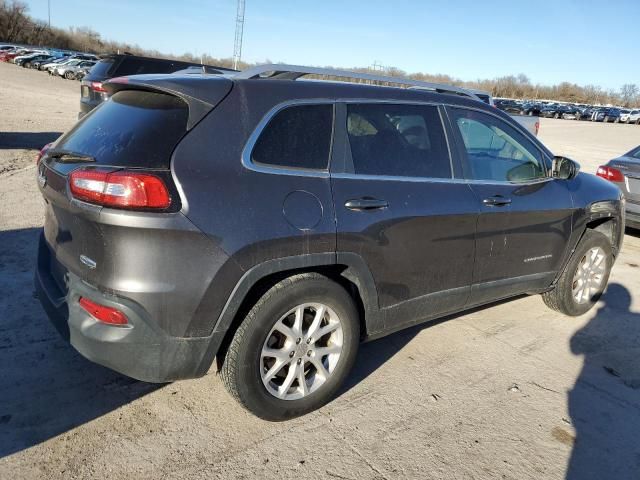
{"x": 324, "y": 351}
{"x": 321, "y": 370}
{"x": 326, "y": 329}
{"x": 277, "y": 366}
{"x": 291, "y": 375}
{"x": 286, "y": 331}
{"x": 302, "y": 381}
{"x": 313, "y": 328}
{"x": 297, "y": 322}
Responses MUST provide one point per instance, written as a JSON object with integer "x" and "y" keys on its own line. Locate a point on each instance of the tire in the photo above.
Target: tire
{"x": 530, "y": 113}
{"x": 605, "y": 119}
{"x": 617, "y": 120}
{"x": 638, "y": 122}
{"x": 563, "y": 298}
{"x": 556, "y": 115}
{"x": 68, "y": 75}
{"x": 244, "y": 364}
{"x": 27, "y": 65}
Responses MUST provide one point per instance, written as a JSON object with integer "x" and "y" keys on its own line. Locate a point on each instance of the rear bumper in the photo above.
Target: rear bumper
{"x": 140, "y": 350}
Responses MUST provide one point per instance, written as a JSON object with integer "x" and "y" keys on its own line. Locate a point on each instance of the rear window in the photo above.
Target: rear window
{"x": 132, "y": 129}
{"x": 297, "y": 137}
{"x": 101, "y": 69}
{"x": 139, "y": 66}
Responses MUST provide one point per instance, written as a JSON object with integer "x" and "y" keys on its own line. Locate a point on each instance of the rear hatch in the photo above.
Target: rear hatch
{"x": 135, "y": 132}
{"x": 630, "y": 168}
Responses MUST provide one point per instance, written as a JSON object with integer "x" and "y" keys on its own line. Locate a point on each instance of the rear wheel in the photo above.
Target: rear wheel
{"x": 68, "y": 75}
{"x": 556, "y": 115}
{"x": 294, "y": 348}
{"x": 585, "y": 277}
{"x": 605, "y": 119}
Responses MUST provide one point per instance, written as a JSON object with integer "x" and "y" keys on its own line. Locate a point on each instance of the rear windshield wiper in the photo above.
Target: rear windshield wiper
{"x": 66, "y": 156}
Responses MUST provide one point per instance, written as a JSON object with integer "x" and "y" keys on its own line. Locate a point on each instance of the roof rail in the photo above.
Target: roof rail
{"x": 293, "y": 72}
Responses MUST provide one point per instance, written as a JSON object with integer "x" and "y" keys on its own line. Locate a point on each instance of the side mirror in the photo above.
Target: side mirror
{"x": 564, "y": 168}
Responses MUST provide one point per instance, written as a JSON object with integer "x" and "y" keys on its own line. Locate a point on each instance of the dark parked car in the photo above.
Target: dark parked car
{"x": 509, "y": 106}
{"x": 92, "y": 93}
{"x": 607, "y": 115}
{"x": 531, "y": 108}
{"x": 556, "y": 111}
{"x": 275, "y": 224}
{"x": 624, "y": 171}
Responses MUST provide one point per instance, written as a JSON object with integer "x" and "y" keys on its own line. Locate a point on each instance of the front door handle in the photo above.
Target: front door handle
{"x": 496, "y": 201}
{"x": 360, "y": 204}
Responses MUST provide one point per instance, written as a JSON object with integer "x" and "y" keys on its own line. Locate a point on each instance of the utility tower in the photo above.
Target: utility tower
{"x": 237, "y": 46}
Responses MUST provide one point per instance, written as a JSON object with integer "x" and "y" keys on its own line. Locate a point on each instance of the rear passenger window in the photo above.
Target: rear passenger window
{"x": 397, "y": 140}
{"x": 297, "y": 137}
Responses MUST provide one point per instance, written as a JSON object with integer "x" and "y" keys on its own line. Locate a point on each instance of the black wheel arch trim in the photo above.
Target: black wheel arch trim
{"x": 356, "y": 272}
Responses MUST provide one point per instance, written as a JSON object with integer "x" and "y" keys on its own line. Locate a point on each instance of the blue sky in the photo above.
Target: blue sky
{"x": 581, "y": 41}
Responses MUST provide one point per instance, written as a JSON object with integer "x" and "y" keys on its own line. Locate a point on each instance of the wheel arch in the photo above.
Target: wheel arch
{"x": 347, "y": 269}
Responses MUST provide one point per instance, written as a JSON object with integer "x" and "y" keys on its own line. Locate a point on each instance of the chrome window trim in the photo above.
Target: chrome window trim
{"x": 305, "y": 172}
{"x": 283, "y": 170}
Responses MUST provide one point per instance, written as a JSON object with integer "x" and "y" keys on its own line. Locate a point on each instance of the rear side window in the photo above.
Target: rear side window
{"x": 397, "y": 140}
{"x": 132, "y": 129}
{"x": 297, "y": 137}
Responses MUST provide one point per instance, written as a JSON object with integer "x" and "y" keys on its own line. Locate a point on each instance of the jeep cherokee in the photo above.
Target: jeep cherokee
{"x": 274, "y": 224}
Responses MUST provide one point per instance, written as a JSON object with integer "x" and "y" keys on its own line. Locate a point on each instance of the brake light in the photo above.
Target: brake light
{"x": 120, "y": 189}
{"x": 103, "y": 314}
{"x": 97, "y": 87}
{"x": 610, "y": 173}
{"x": 537, "y": 127}
{"x": 42, "y": 152}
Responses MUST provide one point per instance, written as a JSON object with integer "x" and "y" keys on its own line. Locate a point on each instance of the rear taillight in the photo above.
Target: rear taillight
{"x": 610, "y": 173}
{"x": 42, "y": 151}
{"x": 120, "y": 189}
{"x": 103, "y": 314}
{"x": 97, "y": 87}
{"x": 537, "y": 127}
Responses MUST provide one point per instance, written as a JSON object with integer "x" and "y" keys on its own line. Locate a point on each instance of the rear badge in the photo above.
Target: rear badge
{"x": 88, "y": 262}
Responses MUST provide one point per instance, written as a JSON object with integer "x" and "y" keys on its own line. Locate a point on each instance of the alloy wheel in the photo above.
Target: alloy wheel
{"x": 301, "y": 351}
{"x": 589, "y": 276}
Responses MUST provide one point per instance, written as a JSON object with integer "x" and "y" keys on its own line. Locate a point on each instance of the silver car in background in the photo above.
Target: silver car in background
{"x": 624, "y": 171}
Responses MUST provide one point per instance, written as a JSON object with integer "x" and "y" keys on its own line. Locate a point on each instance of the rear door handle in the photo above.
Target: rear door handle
{"x": 496, "y": 201}
{"x": 360, "y": 204}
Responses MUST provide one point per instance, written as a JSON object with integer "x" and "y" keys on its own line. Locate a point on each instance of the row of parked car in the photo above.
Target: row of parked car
{"x": 569, "y": 111}
{"x": 69, "y": 65}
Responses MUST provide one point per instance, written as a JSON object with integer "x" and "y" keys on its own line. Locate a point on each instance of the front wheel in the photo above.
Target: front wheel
{"x": 585, "y": 277}
{"x": 294, "y": 348}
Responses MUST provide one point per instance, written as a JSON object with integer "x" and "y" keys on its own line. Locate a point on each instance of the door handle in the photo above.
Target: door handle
{"x": 496, "y": 201}
{"x": 360, "y": 204}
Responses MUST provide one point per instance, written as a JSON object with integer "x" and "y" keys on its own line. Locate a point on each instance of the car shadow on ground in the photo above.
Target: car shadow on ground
{"x": 604, "y": 403}
{"x": 27, "y": 140}
{"x": 47, "y": 388}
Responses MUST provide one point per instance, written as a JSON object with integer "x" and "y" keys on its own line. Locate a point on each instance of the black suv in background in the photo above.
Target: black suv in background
{"x": 275, "y": 224}
{"x": 92, "y": 92}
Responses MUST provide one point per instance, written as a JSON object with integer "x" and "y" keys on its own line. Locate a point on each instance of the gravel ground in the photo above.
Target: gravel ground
{"x": 511, "y": 391}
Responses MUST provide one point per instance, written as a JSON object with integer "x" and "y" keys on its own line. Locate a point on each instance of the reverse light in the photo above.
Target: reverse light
{"x": 610, "y": 173}
{"x": 120, "y": 189}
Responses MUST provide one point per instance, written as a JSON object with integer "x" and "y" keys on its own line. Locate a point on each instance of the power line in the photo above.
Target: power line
{"x": 237, "y": 46}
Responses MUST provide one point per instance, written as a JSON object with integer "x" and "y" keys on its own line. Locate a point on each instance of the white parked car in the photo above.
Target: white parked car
{"x": 634, "y": 117}
{"x": 624, "y": 115}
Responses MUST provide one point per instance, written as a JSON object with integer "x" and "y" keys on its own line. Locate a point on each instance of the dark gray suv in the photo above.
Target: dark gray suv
{"x": 272, "y": 225}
